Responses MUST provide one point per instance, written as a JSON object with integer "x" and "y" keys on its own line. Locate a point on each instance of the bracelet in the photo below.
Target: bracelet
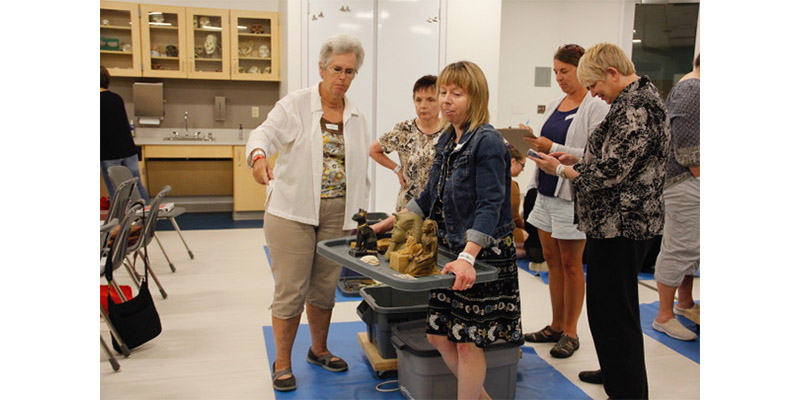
{"x": 397, "y": 169}
{"x": 559, "y": 170}
{"x": 255, "y": 155}
{"x": 466, "y": 257}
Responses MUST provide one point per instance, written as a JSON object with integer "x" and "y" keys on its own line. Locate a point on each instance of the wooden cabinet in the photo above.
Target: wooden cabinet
{"x": 164, "y": 49}
{"x": 247, "y": 194}
{"x": 120, "y": 48}
{"x": 208, "y": 38}
{"x": 255, "y": 45}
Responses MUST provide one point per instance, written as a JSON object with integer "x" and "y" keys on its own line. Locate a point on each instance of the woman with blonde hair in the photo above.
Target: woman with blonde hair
{"x": 618, "y": 185}
{"x": 468, "y": 195}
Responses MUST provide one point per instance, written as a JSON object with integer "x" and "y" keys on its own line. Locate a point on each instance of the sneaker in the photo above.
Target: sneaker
{"x": 674, "y": 329}
{"x": 595, "y": 377}
{"x": 682, "y": 311}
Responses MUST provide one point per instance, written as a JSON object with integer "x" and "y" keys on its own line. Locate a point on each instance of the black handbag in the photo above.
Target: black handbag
{"x": 136, "y": 320}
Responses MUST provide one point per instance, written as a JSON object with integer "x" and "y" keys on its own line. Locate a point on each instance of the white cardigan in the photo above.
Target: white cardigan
{"x": 590, "y": 114}
{"x": 293, "y": 129}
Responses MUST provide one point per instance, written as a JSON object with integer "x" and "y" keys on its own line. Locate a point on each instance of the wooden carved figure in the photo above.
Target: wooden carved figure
{"x": 405, "y": 224}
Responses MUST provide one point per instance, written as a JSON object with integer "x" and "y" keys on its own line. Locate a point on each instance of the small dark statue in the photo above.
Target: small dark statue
{"x": 366, "y": 240}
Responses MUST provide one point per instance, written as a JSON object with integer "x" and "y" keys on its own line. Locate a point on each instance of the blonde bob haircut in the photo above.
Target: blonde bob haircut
{"x": 594, "y": 65}
{"x": 470, "y": 77}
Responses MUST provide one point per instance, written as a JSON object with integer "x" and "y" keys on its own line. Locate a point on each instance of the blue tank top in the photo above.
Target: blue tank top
{"x": 555, "y": 129}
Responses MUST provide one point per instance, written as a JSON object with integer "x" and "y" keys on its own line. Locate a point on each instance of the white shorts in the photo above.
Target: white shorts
{"x": 557, "y": 216}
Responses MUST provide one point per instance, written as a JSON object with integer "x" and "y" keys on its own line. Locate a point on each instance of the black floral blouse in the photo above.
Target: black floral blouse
{"x": 618, "y": 192}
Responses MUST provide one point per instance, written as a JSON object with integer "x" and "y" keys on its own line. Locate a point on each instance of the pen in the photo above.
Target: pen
{"x": 527, "y": 122}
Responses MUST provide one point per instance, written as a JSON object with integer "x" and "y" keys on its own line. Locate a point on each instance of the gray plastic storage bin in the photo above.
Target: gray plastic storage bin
{"x": 424, "y": 375}
{"x": 383, "y": 307}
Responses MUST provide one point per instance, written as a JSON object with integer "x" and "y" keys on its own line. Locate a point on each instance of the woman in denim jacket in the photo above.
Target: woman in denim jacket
{"x": 468, "y": 195}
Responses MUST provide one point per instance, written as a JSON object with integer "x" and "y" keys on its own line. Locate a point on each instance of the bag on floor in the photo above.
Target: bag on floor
{"x": 105, "y": 290}
{"x": 136, "y": 320}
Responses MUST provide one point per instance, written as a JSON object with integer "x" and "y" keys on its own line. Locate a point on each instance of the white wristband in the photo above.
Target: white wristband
{"x": 466, "y": 257}
{"x": 397, "y": 169}
{"x": 553, "y": 147}
{"x": 560, "y": 170}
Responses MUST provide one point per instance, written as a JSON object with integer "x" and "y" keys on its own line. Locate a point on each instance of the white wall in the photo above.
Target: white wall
{"x": 531, "y": 32}
{"x": 473, "y": 29}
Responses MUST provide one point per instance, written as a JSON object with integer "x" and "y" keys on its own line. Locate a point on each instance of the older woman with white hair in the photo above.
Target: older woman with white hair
{"x": 319, "y": 181}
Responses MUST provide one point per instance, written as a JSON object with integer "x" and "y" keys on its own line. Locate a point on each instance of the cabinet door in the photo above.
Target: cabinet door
{"x": 164, "y": 47}
{"x": 255, "y": 43}
{"x": 208, "y": 39}
{"x": 247, "y": 194}
{"x": 120, "y": 48}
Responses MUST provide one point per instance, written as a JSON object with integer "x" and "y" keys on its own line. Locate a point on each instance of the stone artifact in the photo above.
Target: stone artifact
{"x": 371, "y": 260}
{"x": 210, "y": 45}
{"x": 245, "y": 48}
{"x": 418, "y": 258}
{"x": 366, "y": 239}
{"x": 263, "y": 51}
{"x": 172, "y": 51}
{"x": 256, "y": 28}
{"x": 405, "y": 224}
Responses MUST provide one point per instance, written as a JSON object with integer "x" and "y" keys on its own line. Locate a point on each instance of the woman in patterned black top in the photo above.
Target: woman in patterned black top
{"x": 618, "y": 185}
{"x": 414, "y": 140}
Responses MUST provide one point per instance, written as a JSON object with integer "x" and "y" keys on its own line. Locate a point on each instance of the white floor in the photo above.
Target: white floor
{"x": 212, "y": 346}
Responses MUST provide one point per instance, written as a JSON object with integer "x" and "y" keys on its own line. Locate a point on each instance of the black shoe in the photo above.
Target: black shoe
{"x": 595, "y": 377}
{"x": 565, "y": 347}
{"x": 327, "y": 361}
{"x": 283, "y": 385}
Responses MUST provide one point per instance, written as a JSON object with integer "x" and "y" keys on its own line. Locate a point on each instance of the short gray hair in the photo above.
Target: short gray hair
{"x": 341, "y": 43}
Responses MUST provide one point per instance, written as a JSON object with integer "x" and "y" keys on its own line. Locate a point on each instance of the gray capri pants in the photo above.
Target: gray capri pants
{"x": 680, "y": 245}
{"x": 301, "y": 275}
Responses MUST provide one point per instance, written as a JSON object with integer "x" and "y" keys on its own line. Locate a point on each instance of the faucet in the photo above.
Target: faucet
{"x": 186, "y": 122}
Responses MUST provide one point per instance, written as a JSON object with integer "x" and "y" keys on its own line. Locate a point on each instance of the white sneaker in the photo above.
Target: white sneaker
{"x": 682, "y": 311}
{"x": 674, "y": 329}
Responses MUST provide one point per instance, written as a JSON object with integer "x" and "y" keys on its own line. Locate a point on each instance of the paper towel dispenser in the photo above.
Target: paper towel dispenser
{"x": 148, "y": 103}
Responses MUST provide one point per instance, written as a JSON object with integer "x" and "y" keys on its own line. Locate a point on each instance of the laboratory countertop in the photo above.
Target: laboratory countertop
{"x": 220, "y": 137}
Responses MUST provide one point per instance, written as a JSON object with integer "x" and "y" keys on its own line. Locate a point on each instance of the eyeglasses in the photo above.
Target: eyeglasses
{"x": 337, "y": 70}
{"x": 572, "y": 47}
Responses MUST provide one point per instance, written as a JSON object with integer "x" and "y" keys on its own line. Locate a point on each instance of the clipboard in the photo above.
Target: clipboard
{"x": 514, "y": 136}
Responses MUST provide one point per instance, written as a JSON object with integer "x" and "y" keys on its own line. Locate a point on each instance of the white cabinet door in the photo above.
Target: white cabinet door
{"x": 401, "y": 45}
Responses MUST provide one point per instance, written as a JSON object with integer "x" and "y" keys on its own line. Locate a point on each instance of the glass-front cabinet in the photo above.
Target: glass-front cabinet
{"x": 209, "y": 39}
{"x": 255, "y": 44}
{"x": 119, "y": 38}
{"x": 163, "y": 41}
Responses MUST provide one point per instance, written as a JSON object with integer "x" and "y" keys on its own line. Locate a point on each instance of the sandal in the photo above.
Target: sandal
{"x": 327, "y": 361}
{"x": 283, "y": 385}
{"x": 546, "y": 335}
{"x": 565, "y": 347}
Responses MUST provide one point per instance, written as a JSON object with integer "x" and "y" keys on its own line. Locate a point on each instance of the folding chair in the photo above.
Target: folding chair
{"x": 115, "y": 259}
{"x": 105, "y": 228}
{"x": 146, "y": 235}
{"x": 116, "y": 211}
{"x": 119, "y": 174}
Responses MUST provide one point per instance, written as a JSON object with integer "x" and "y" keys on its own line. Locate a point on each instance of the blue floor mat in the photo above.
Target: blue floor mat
{"x": 212, "y": 220}
{"x": 690, "y": 350}
{"x": 535, "y": 377}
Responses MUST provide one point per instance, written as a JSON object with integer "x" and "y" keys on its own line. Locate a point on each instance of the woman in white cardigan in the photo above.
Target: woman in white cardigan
{"x": 320, "y": 181}
{"x": 568, "y": 122}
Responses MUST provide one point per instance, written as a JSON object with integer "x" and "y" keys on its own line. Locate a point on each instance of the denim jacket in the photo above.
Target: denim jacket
{"x": 476, "y": 198}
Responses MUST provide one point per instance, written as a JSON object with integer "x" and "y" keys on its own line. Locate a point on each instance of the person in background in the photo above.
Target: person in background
{"x": 568, "y": 122}
{"x": 679, "y": 258}
{"x": 414, "y": 141}
{"x": 520, "y": 235}
{"x": 320, "y": 182}
{"x": 618, "y": 185}
{"x": 468, "y": 195}
{"x": 116, "y": 141}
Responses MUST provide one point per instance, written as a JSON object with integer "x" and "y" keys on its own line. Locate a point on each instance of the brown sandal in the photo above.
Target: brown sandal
{"x": 546, "y": 335}
{"x": 565, "y": 347}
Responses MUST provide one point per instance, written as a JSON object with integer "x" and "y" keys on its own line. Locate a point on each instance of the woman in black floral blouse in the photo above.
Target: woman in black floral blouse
{"x": 618, "y": 185}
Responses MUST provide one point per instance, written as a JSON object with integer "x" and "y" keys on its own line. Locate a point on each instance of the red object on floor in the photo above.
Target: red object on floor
{"x": 126, "y": 290}
{"x": 104, "y": 203}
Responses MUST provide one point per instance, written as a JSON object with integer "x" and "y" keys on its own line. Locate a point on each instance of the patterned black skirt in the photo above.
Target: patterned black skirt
{"x": 485, "y": 312}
